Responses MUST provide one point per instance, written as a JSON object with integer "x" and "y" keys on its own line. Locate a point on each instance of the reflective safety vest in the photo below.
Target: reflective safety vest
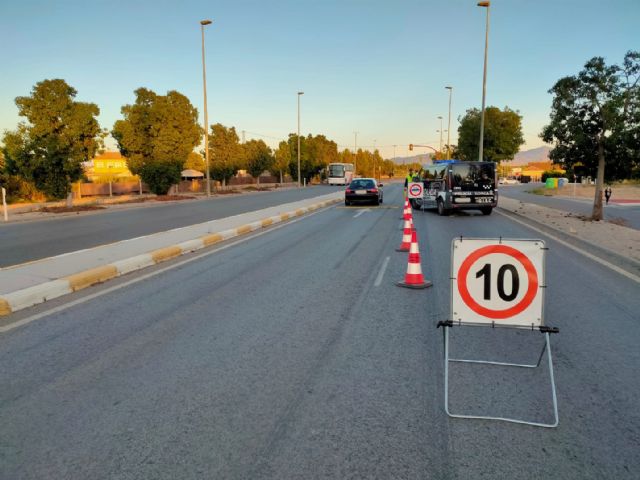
{"x": 409, "y": 179}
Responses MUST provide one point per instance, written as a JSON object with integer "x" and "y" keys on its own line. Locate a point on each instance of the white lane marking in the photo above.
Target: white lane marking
{"x": 381, "y": 272}
{"x": 361, "y": 212}
{"x": 590, "y": 256}
{"x": 60, "y": 308}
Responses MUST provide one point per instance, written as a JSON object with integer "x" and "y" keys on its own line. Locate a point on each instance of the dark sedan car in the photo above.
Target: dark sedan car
{"x": 363, "y": 190}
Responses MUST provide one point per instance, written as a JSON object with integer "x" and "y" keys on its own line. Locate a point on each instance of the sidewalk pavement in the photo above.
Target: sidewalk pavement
{"x": 28, "y": 284}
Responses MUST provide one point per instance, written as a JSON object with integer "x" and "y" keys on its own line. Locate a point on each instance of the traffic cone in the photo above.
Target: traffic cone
{"x": 407, "y": 213}
{"x": 413, "y": 277}
{"x": 405, "y": 246}
{"x": 407, "y": 208}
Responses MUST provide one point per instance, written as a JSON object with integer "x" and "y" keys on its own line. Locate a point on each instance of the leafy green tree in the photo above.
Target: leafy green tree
{"x": 595, "y": 121}
{"x": 282, "y": 159}
{"x": 502, "y": 134}
{"x": 226, "y": 155}
{"x": 258, "y": 157}
{"x": 195, "y": 162}
{"x": 156, "y": 135}
{"x": 58, "y": 135}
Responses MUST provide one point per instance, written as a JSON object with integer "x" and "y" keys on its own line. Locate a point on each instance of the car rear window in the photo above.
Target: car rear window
{"x": 358, "y": 184}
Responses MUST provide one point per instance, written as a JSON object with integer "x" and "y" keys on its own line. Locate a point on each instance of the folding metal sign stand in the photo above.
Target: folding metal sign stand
{"x": 471, "y": 308}
{"x": 546, "y": 346}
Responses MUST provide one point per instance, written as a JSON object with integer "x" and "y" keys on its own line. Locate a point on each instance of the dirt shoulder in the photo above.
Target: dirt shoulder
{"x": 618, "y": 192}
{"x": 619, "y": 240}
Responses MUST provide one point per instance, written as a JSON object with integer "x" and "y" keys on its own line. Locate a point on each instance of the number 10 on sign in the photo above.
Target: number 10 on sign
{"x": 497, "y": 281}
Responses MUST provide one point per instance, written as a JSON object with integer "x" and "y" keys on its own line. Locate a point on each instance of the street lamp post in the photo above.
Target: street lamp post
{"x": 374, "y": 159}
{"x": 203, "y": 23}
{"x": 299, "y": 94}
{"x": 440, "y": 117}
{"x": 355, "y": 154}
{"x": 484, "y": 79}
{"x": 449, "y": 127}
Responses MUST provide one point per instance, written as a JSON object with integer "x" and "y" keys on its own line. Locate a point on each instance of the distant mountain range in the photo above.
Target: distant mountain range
{"x": 540, "y": 154}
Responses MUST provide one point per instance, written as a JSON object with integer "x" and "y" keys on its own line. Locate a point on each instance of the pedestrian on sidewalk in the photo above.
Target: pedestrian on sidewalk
{"x": 607, "y": 194}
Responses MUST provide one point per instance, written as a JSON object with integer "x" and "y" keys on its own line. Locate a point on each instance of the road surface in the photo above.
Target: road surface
{"x": 293, "y": 355}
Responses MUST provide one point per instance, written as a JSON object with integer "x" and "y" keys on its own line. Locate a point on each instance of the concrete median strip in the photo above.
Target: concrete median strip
{"x": 27, "y": 297}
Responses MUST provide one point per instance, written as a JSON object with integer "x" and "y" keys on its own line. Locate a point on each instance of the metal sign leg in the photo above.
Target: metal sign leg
{"x": 546, "y": 346}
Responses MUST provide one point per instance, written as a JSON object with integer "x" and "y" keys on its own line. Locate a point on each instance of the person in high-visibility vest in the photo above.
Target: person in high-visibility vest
{"x": 408, "y": 178}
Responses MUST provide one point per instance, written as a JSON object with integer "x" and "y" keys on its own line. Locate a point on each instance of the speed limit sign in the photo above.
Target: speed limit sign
{"x": 498, "y": 281}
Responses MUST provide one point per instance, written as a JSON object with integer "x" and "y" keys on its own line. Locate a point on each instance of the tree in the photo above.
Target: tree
{"x": 58, "y": 135}
{"x": 282, "y": 158}
{"x": 502, "y": 134}
{"x": 595, "y": 121}
{"x": 258, "y": 157}
{"x": 195, "y": 162}
{"x": 226, "y": 155}
{"x": 156, "y": 135}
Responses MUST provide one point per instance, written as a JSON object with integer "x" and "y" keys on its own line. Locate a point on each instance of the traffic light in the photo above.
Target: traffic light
{"x": 411, "y": 146}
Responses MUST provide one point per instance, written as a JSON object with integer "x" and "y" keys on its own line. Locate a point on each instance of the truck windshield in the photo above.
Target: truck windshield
{"x": 468, "y": 176}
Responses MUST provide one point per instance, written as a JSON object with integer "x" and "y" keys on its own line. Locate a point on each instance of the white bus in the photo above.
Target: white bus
{"x": 340, "y": 173}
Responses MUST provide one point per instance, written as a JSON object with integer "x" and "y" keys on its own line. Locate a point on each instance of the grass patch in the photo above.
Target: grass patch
{"x": 77, "y": 209}
{"x": 171, "y": 198}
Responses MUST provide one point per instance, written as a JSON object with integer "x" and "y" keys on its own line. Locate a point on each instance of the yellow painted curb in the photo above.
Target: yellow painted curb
{"x": 163, "y": 254}
{"x": 243, "y": 229}
{"x": 211, "y": 239}
{"x": 90, "y": 277}
{"x": 5, "y": 308}
{"x": 284, "y": 216}
{"x": 266, "y": 222}
{"x": 299, "y": 212}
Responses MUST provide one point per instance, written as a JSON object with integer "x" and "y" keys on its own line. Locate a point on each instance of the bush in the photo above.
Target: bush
{"x": 159, "y": 177}
{"x": 552, "y": 174}
{"x": 20, "y": 190}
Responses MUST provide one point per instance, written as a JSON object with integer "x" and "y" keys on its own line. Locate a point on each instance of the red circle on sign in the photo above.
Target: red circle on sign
{"x": 532, "y": 276}
{"x": 415, "y": 189}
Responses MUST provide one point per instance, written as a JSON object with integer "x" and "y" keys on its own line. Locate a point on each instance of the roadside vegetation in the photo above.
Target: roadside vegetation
{"x": 594, "y": 123}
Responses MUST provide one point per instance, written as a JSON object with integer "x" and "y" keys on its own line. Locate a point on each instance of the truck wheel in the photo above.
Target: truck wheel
{"x": 486, "y": 210}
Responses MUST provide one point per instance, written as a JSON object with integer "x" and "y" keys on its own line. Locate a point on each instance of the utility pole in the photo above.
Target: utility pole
{"x": 206, "y": 118}
{"x": 243, "y": 132}
{"x": 484, "y": 80}
{"x": 299, "y": 93}
{"x": 449, "y": 128}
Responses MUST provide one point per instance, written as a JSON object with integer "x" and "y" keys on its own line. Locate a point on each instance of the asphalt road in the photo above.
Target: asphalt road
{"x": 24, "y": 242}
{"x": 290, "y": 356}
{"x": 628, "y": 214}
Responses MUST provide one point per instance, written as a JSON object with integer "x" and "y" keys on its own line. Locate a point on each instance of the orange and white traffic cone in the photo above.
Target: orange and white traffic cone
{"x": 405, "y": 246}
{"x": 406, "y": 208}
{"x": 413, "y": 277}
{"x": 407, "y": 213}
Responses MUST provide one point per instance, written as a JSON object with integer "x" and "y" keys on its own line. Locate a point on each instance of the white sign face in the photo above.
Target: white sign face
{"x": 497, "y": 281}
{"x": 415, "y": 190}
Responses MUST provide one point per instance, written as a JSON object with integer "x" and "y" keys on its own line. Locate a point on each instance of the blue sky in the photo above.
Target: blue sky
{"x": 376, "y": 67}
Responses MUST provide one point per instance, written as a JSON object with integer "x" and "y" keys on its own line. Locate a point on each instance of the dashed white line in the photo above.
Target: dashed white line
{"x": 381, "y": 272}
